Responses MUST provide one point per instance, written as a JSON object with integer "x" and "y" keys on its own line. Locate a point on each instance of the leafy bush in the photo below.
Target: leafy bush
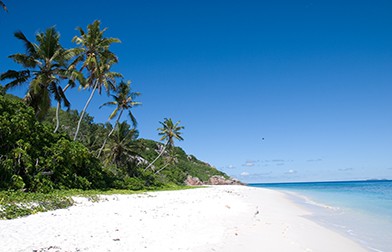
{"x": 35, "y": 159}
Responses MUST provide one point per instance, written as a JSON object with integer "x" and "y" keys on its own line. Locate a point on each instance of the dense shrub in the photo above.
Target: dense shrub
{"x": 35, "y": 159}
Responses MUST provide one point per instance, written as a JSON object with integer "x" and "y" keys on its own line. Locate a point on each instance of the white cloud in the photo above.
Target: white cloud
{"x": 244, "y": 174}
{"x": 291, "y": 171}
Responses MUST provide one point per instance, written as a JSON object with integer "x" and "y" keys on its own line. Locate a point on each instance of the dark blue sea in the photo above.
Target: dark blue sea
{"x": 361, "y": 210}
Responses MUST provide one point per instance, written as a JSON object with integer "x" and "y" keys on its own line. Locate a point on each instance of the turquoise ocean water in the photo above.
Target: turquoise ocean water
{"x": 361, "y": 210}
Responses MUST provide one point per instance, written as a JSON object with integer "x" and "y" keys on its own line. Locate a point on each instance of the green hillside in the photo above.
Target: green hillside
{"x": 35, "y": 159}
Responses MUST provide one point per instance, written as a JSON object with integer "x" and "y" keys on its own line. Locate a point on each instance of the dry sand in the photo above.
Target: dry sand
{"x": 218, "y": 218}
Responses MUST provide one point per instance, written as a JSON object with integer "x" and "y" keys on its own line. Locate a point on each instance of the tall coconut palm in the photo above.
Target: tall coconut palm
{"x": 169, "y": 132}
{"x": 123, "y": 100}
{"x": 45, "y": 64}
{"x": 97, "y": 61}
{"x": 122, "y": 147}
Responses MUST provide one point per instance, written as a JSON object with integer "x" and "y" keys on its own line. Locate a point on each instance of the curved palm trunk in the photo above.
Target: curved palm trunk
{"x": 110, "y": 133}
{"x": 58, "y": 111}
{"x": 84, "y": 110}
{"x": 57, "y": 117}
{"x": 161, "y": 168}
{"x": 160, "y": 154}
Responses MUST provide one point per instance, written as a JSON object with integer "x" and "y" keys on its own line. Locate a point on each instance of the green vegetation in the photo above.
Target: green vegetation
{"x": 35, "y": 159}
{"x": 47, "y": 153}
{"x": 15, "y": 204}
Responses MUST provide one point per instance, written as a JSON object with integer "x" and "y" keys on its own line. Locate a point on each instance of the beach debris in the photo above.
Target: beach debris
{"x": 49, "y": 249}
{"x": 257, "y": 211}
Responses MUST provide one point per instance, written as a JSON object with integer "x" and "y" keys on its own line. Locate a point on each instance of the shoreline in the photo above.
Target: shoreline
{"x": 215, "y": 218}
{"x": 367, "y": 229}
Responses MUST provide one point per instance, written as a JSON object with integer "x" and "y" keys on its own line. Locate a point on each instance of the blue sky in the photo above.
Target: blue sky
{"x": 313, "y": 78}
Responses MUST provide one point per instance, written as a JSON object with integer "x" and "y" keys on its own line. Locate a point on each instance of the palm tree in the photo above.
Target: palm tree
{"x": 3, "y": 5}
{"x": 72, "y": 75}
{"x": 122, "y": 147}
{"x": 171, "y": 159}
{"x": 124, "y": 100}
{"x": 97, "y": 61}
{"x": 169, "y": 132}
{"x": 45, "y": 64}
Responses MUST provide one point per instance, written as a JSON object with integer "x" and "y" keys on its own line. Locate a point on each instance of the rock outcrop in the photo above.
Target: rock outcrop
{"x": 220, "y": 180}
{"x": 193, "y": 181}
{"x": 214, "y": 180}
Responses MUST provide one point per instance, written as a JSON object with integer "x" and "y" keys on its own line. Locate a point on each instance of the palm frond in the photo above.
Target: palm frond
{"x": 30, "y": 47}
{"x": 76, "y": 75}
{"x": 113, "y": 114}
{"x": 66, "y": 102}
{"x": 108, "y": 104}
{"x": 19, "y": 77}
{"x": 108, "y": 41}
{"x": 23, "y": 59}
{"x": 54, "y": 90}
{"x": 133, "y": 119}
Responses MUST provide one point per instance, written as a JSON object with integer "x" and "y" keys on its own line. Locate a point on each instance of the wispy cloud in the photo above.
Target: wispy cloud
{"x": 346, "y": 169}
{"x": 315, "y": 160}
{"x": 256, "y": 176}
{"x": 250, "y": 163}
{"x": 276, "y": 161}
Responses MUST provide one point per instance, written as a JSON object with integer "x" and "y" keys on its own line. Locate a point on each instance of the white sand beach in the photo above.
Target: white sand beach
{"x": 218, "y": 218}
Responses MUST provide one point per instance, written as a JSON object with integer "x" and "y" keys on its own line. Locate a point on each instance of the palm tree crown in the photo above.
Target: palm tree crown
{"x": 124, "y": 100}
{"x": 45, "y": 64}
{"x": 170, "y": 131}
{"x": 95, "y": 54}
